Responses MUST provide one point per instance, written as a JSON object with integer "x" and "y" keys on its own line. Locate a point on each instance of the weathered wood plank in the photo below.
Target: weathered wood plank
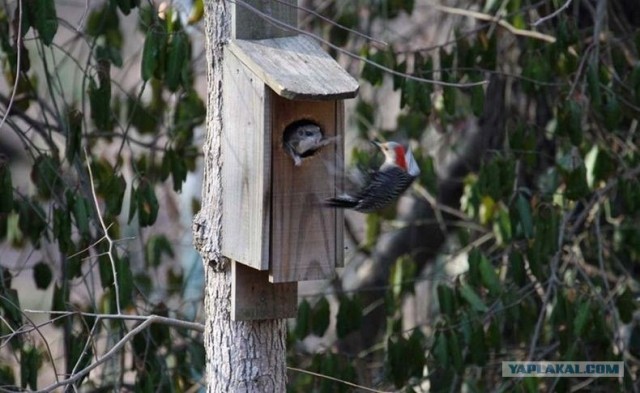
{"x": 246, "y": 173}
{"x": 296, "y": 68}
{"x": 248, "y": 25}
{"x": 254, "y": 297}
{"x": 339, "y": 179}
{"x": 304, "y": 233}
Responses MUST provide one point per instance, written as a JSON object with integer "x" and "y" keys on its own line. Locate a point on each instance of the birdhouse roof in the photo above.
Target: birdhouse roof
{"x": 296, "y": 68}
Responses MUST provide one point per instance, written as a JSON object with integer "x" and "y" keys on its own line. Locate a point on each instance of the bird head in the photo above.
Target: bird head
{"x": 395, "y": 154}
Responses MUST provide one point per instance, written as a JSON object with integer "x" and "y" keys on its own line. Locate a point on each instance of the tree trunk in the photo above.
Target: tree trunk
{"x": 245, "y": 356}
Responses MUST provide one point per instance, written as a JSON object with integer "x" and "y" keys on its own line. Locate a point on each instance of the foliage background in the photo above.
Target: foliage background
{"x": 519, "y": 241}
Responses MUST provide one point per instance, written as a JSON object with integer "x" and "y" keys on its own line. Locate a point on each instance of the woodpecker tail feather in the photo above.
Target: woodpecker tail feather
{"x": 342, "y": 202}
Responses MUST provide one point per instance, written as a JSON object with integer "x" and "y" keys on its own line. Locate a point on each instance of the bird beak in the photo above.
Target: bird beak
{"x": 377, "y": 143}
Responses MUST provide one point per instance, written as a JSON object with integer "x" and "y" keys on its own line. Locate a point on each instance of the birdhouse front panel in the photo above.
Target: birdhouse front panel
{"x": 246, "y": 178}
{"x": 306, "y": 237}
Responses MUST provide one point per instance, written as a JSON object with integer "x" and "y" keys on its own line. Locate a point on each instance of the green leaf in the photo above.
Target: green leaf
{"x": 59, "y": 302}
{"x": 104, "y": 266}
{"x": 42, "y": 275}
{"x": 581, "y": 319}
{"x": 502, "y": 223}
{"x": 153, "y": 52}
{"x": 494, "y": 336}
{"x": 593, "y": 85}
{"x": 46, "y": 176}
{"x": 396, "y": 358}
{"x": 81, "y": 212}
{"x": 626, "y": 306}
{"x": 113, "y": 192}
{"x": 30, "y": 361}
{"x": 177, "y": 58}
{"x": 7, "y": 377}
{"x": 478, "y": 345}
{"x": 455, "y": 350}
{"x": 446, "y": 300}
{"x": 371, "y": 73}
{"x": 190, "y": 112}
{"x": 524, "y": 213}
{"x": 62, "y": 229}
{"x": 176, "y": 165}
{"x": 320, "y": 317}
{"x": 489, "y": 276}
{"x": 6, "y": 190}
{"x": 109, "y": 53}
{"x": 449, "y": 99}
{"x": 157, "y": 246}
{"x": 516, "y": 269}
{"x": 73, "y": 124}
{"x": 79, "y": 354}
{"x": 440, "y": 350}
{"x": 32, "y": 221}
{"x": 11, "y": 306}
{"x": 147, "y": 204}
{"x": 570, "y": 122}
{"x": 373, "y": 227}
{"x": 100, "y": 103}
{"x": 349, "y": 316}
{"x": 415, "y": 356}
{"x": 472, "y": 298}
{"x": 474, "y": 267}
{"x": 46, "y": 20}
{"x": 125, "y": 283}
{"x": 612, "y": 113}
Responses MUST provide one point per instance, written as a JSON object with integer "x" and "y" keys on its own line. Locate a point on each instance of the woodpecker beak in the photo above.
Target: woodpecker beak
{"x": 377, "y": 143}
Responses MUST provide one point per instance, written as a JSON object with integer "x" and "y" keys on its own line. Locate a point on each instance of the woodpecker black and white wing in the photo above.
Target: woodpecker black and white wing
{"x": 383, "y": 188}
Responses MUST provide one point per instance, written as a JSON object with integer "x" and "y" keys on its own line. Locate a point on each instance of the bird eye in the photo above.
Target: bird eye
{"x": 309, "y": 133}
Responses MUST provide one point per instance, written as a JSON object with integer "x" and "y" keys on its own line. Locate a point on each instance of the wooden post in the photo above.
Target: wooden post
{"x": 262, "y": 227}
{"x": 241, "y": 355}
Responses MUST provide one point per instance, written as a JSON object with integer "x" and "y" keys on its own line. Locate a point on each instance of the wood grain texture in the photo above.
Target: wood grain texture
{"x": 306, "y": 237}
{"x": 296, "y": 68}
{"x": 246, "y": 178}
{"x": 248, "y": 25}
{"x": 254, "y": 297}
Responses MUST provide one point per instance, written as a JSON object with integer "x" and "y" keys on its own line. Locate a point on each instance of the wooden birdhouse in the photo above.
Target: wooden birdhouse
{"x": 274, "y": 220}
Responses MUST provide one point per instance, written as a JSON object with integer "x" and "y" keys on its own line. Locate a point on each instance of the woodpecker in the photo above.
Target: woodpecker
{"x": 302, "y": 139}
{"x": 385, "y": 185}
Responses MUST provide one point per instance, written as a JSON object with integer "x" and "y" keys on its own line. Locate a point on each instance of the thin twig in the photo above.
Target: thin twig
{"x": 353, "y": 385}
{"x": 552, "y": 15}
{"x": 108, "y": 355}
{"x": 106, "y": 235}
{"x": 18, "y": 58}
{"x": 332, "y": 22}
{"x": 500, "y": 22}
{"x": 388, "y": 70}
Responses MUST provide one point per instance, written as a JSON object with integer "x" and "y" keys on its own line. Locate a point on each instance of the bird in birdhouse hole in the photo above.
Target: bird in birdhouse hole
{"x": 304, "y": 138}
{"x": 384, "y": 185}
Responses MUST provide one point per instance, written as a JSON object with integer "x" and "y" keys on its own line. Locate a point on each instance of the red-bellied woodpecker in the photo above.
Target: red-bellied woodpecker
{"x": 302, "y": 139}
{"x": 386, "y": 184}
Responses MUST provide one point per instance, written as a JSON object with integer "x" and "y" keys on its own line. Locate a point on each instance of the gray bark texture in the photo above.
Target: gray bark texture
{"x": 242, "y": 356}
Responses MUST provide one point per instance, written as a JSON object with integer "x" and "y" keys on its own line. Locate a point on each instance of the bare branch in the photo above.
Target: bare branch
{"x": 552, "y": 15}
{"x": 18, "y": 58}
{"x": 388, "y": 70}
{"x": 500, "y": 22}
{"x": 106, "y": 235}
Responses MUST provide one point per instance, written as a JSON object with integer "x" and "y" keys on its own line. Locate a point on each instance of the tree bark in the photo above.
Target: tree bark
{"x": 242, "y": 356}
